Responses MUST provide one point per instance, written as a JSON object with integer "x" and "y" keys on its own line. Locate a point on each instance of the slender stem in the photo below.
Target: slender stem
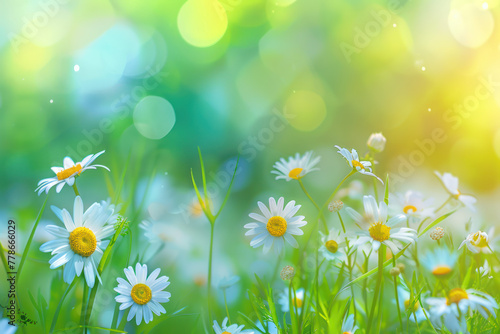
{"x": 76, "y": 189}
{"x": 209, "y": 279}
{"x": 337, "y": 189}
{"x": 58, "y": 309}
{"x": 84, "y": 299}
{"x": 341, "y": 222}
{"x": 227, "y": 310}
{"x": 397, "y": 302}
{"x": 381, "y": 253}
{"x": 442, "y": 205}
{"x": 320, "y": 212}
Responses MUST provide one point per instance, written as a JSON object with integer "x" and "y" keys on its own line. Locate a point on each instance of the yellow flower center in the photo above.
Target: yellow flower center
{"x": 379, "y": 231}
{"x": 479, "y": 240}
{"x": 226, "y": 333}
{"x": 82, "y": 241}
{"x": 332, "y": 246}
{"x": 65, "y": 173}
{"x": 295, "y": 173}
{"x": 413, "y": 306}
{"x": 408, "y": 208}
{"x": 456, "y": 295}
{"x": 276, "y": 226}
{"x": 441, "y": 271}
{"x": 347, "y": 333}
{"x": 297, "y": 302}
{"x": 356, "y": 163}
{"x": 141, "y": 294}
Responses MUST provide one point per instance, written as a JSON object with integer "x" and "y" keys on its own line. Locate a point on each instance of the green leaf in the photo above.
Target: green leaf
{"x": 386, "y": 194}
{"x": 229, "y": 189}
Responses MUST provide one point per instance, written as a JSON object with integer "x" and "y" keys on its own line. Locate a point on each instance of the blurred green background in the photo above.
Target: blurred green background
{"x": 150, "y": 81}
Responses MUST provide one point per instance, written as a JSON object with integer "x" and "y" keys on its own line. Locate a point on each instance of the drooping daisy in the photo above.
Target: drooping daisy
{"x": 380, "y": 229}
{"x": 297, "y": 300}
{"x": 450, "y": 183}
{"x": 296, "y": 167}
{"x": 142, "y": 293}
{"x": 333, "y": 246}
{"x": 440, "y": 262}
{"x": 275, "y": 225}
{"x": 348, "y": 325}
{"x": 409, "y": 304}
{"x": 412, "y": 204}
{"x": 79, "y": 245}
{"x": 478, "y": 242}
{"x": 233, "y": 329}
{"x": 5, "y": 328}
{"x": 451, "y": 311}
{"x": 68, "y": 173}
{"x": 352, "y": 158}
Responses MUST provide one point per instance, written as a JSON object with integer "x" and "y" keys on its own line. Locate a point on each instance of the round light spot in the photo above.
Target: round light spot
{"x": 423, "y": 68}
{"x": 202, "y": 23}
{"x": 76, "y": 68}
{"x": 471, "y": 25}
{"x": 305, "y": 110}
{"x": 485, "y": 5}
{"x": 51, "y": 101}
{"x": 154, "y": 117}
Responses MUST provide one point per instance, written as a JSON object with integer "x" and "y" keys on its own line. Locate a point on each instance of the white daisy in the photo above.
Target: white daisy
{"x": 233, "y": 329}
{"x": 452, "y": 310}
{"x": 412, "y": 306}
{"x": 297, "y": 300}
{"x": 440, "y": 262}
{"x": 227, "y": 282}
{"x": 352, "y": 158}
{"x": 275, "y": 225}
{"x": 348, "y": 325}
{"x": 5, "y": 328}
{"x": 80, "y": 245}
{"x": 296, "y": 167}
{"x": 478, "y": 242}
{"x": 412, "y": 204}
{"x": 68, "y": 173}
{"x": 333, "y": 246}
{"x": 271, "y": 328}
{"x": 379, "y": 231}
{"x": 376, "y": 142}
{"x": 450, "y": 183}
{"x": 142, "y": 293}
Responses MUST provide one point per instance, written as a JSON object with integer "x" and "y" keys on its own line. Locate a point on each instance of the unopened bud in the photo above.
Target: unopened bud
{"x": 437, "y": 234}
{"x": 395, "y": 271}
{"x": 401, "y": 267}
{"x": 287, "y": 273}
{"x": 335, "y": 206}
{"x": 376, "y": 142}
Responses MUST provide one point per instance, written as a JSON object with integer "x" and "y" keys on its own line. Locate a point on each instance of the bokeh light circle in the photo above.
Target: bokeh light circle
{"x": 305, "y": 110}
{"x": 154, "y": 117}
{"x": 471, "y": 25}
{"x": 202, "y": 23}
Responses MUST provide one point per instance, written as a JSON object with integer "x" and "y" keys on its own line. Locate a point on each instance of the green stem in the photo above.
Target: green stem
{"x": 320, "y": 212}
{"x": 209, "y": 279}
{"x": 397, "y": 302}
{"x": 4, "y": 259}
{"x": 76, "y": 189}
{"x": 341, "y": 222}
{"x": 227, "y": 310}
{"x": 337, "y": 189}
{"x": 381, "y": 253}
{"x": 84, "y": 299}
{"x": 58, "y": 309}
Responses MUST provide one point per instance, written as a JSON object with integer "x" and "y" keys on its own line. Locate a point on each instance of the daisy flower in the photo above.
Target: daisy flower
{"x": 440, "y": 262}
{"x": 450, "y": 183}
{"x": 333, "y": 246}
{"x": 142, "y": 293}
{"x": 271, "y": 328}
{"x": 297, "y": 300}
{"x": 412, "y": 205}
{"x": 79, "y": 245}
{"x": 412, "y": 306}
{"x": 233, "y": 329}
{"x": 68, "y": 173}
{"x": 352, "y": 158}
{"x": 376, "y": 142}
{"x": 348, "y": 325}
{"x": 5, "y": 328}
{"x": 275, "y": 225}
{"x": 451, "y": 311}
{"x": 380, "y": 229}
{"x": 296, "y": 167}
{"x": 478, "y": 242}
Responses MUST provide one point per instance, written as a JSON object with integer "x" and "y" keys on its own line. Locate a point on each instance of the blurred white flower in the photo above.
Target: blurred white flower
{"x": 227, "y": 282}
{"x": 142, "y": 293}
{"x": 233, "y": 329}
{"x": 296, "y": 167}
{"x": 412, "y": 205}
{"x": 450, "y": 183}
{"x": 5, "y": 328}
{"x": 376, "y": 142}
{"x": 275, "y": 225}
{"x": 410, "y": 305}
{"x": 297, "y": 299}
{"x": 333, "y": 246}
{"x": 68, "y": 173}
{"x": 352, "y": 158}
{"x": 440, "y": 262}
{"x": 348, "y": 325}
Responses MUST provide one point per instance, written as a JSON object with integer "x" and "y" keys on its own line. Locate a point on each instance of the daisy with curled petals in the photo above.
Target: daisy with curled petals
{"x": 68, "y": 173}
{"x": 450, "y": 183}
{"x": 296, "y": 167}
{"x": 333, "y": 246}
{"x": 440, "y": 262}
{"x": 411, "y": 204}
{"x": 451, "y": 311}
{"x": 478, "y": 242}
{"x": 352, "y": 158}
{"x": 79, "y": 245}
{"x": 142, "y": 293}
{"x": 380, "y": 229}
{"x": 275, "y": 225}
{"x": 348, "y": 325}
{"x": 233, "y": 329}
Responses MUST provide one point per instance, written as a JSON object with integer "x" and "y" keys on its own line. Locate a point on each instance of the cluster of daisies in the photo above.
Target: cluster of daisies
{"x": 81, "y": 241}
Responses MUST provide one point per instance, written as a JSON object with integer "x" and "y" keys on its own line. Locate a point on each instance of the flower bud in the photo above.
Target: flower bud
{"x": 287, "y": 273}
{"x": 437, "y": 234}
{"x": 335, "y": 206}
{"x": 401, "y": 267}
{"x": 395, "y": 271}
{"x": 376, "y": 142}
